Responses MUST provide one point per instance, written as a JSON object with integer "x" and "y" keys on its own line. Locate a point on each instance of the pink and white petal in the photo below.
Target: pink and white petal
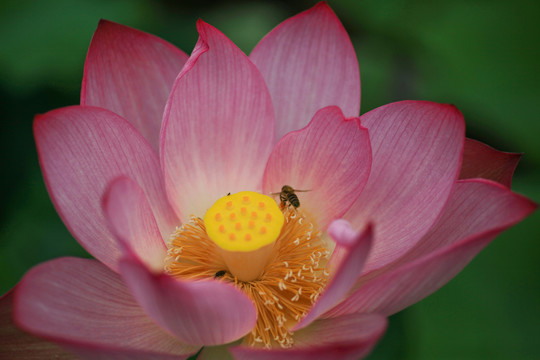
{"x": 482, "y": 161}
{"x": 131, "y": 73}
{"x": 196, "y": 312}
{"x": 476, "y": 213}
{"x": 347, "y": 271}
{"x": 417, "y": 149}
{"x": 81, "y": 149}
{"x": 331, "y": 157}
{"x": 308, "y": 62}
{"x": 56, "y": 297}
{"x": 17, "y": 344}
{"x": 218, "y": 126}
{"x": 132, "y": 221}
{"x": 347, "y": 337}
{"x": 474, "y": 206}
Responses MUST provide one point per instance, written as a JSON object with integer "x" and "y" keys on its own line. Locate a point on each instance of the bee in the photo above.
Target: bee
{"x": 219, "y": 274}
{"x": 288, "y": 197}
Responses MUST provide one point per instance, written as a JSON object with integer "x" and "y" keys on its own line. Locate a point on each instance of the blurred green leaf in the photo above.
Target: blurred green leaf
{"x": 46, "y": 41}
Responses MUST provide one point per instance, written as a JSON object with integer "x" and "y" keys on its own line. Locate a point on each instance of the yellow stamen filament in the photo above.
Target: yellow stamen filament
{"x": 285, "y": 290}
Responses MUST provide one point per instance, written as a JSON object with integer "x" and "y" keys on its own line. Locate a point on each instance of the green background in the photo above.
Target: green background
{"x": 482, "y": 56}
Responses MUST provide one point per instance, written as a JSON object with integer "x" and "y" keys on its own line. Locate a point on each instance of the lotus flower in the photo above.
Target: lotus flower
{"x": 192, "y": 249}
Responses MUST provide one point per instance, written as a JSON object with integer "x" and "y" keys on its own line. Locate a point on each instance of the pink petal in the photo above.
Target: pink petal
{"x": 218, "y": 126}
{"x": 417, "y": 148}
{"x": 482, "y": 161}
{"x": 131, "y": 73}
{"x": 347, "y": 337}
{"x": 81, "y": 149}
{"x": 85, "y": 306}
{"x": 477, "y": 211}
{"x": 16, "y": 344}
{"x": 331, "y": 157}
{"x": 308, "y": 62}
{"x": 197, "y": 312}
{"x": 132, "y": 221}
{"x": 92, "y": 353}
{"x": 348, "y": 270}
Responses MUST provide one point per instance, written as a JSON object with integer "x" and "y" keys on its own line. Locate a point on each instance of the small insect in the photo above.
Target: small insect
{"x": 288, "y": 197}
{"x": 228, "y": 194}
{"x": 219, "y": 274}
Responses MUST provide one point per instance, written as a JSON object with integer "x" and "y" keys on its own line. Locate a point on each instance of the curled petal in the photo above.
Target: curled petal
{"x": 348, "y": 270}
{"x": 331, "y": 157}
{"x": 477, "y": 212}
{"x": 218, "y": 126}
{"x": 417, "y": 149}
{"x": 347, "y": 337}
{"x": 132, "y": 221}
{"x": 131, "y": 73}
{"x": 86, "y": 307}
{"x": 81, "y": 149}
{"x": 482, "y": 161}
{"x": 197, "y": 312}
{"x": 308, "y": 62}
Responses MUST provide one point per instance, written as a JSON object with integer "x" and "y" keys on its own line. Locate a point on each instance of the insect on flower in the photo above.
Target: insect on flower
{"x": 288, "y": 197}
{"x": 220, "y": 274}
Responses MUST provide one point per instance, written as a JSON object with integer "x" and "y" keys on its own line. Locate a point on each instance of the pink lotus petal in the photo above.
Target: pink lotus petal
{"x": 92, "y": 353}
{"x": 85, "y": 306}
{"x": 197, "y": 312}
{"x": 477, "y": 211}
{"x": 417, "y": 148}
{"x": 347, "y": 337}
{"x": 482, "y": 161}
{"x": 218, "y": 126}
{"x": 131, "y": 73}
{"x": 132, "y": 221}
{"x": 348, "y": 270}
{"x": 308, "y": 63}
{"x": 331, "y": 157}
{"x": 16, "y": 344}
{"x": 81, "y": 149}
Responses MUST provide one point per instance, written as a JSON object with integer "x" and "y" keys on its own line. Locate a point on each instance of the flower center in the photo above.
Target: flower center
{"x": 245, "y": 227}
{"x": 276, "y": 258}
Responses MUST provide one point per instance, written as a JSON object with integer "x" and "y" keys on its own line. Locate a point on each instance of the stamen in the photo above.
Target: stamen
{"x": 283, "y": 292}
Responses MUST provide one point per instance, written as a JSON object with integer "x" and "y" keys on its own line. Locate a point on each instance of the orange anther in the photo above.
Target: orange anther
{"x": 222, "y": 228}
{"x": 248, "y": 237}
{"x": 253, "y": 214}
{"x": 251, "y": 224}
{"x": 218, "y": 217}
{"x": 262, "y": 205}
{"x": 229, "y": 205}
{"x": 245, "y": 199}
{"x": 232, "y": 216}
{"x": 263, "y": 230}
{"x": 238, "y": 226}
{"x": 232, "y": 237}
{"x": 268, "y": 217}
{"x": 243, "y": 211}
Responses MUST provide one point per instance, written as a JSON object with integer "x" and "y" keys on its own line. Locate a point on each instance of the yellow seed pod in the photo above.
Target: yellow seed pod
{"x": 244, "y": 222}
